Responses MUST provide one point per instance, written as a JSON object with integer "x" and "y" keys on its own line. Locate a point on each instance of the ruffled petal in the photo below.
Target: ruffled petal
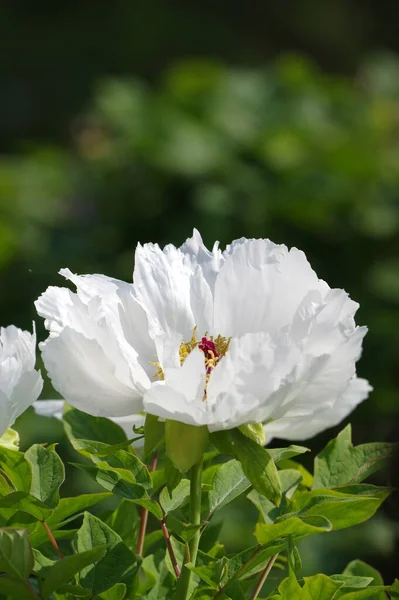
{"x": 84, "y": 375}
{"x": 260, "y": 286}
{"x": 294, "y": 426}
{"x": 92, "y": 333}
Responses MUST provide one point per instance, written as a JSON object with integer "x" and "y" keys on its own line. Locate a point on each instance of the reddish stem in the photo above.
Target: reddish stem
{"x": 263, "y": 577}
{"x": 52, "y": 539}
{"x": 144, "y": 515}
{"x": 170, "y": 548}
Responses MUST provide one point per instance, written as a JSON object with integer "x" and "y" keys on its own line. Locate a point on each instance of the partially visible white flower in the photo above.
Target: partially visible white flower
{"x": 247, "y": 335}
{"x": 20, "y": 383}
{"x": 55, "y": 408}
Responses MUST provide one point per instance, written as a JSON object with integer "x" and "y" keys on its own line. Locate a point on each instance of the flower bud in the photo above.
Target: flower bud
{"x": 185, "y": 444}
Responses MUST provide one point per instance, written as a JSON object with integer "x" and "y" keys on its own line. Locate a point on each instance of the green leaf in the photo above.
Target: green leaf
{"x": 16, "y": 469}
{"x": 151, "y": 505}
{"x": 26, "y": 503}
{"x": 154, "y": 434}
{"x": 307, "y": 478}
{"x": 14, "y": 588}
{"x": 110, "y": 569}
{"x": 102, "y": 454}
{"x": 10, "y": 439}
{"x": 340, "y": 462}
{"x": 341, "y": 509}
{"x": 117, "y": 592}
{"x": 289, "y": 589}
{"x": 117, "y": 481}
{"x": 394, "y": 589}
{"x": 358, "y": 568}
{"x": 369, "y": 592}
{"x": 79, "y": 425}
{"x": 63, "y": 570}
{"x": 125, "y": 522}
{"x": 63, "y": 513}
{"x": 267, "y": 509}
{"x": 320, "y": 587}
{"x": 228, "y": 483}
{"x": 257, "y": 465}
{"x": 251, "y": 561}
{"x": 170, "y": 502}
{"x": 16, "y": 556}
{"x": 350, "y": 581}
{"x": 172, "y": 475}
{"x": 279, "y": 454}
{"x": 48, "y": 474}
{"x": 75, "y": 504}
{"x": 267, "y": 533}
{"x": 41, "y": 563}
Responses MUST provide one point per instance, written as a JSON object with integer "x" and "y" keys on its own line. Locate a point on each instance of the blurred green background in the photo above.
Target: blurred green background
{"x": 135, "y": 121}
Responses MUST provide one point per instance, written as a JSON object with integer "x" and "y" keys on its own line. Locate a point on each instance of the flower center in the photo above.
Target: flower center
{"x": 212, "y": 348}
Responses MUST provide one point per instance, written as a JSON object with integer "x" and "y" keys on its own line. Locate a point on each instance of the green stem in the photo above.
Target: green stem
{"x": 195, "y": 519}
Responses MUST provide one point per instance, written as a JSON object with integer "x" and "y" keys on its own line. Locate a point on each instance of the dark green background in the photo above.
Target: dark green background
{"x": 125, "y": 121}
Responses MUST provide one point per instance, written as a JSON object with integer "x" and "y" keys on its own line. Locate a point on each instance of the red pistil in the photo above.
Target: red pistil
{"x": 209, "y": 349}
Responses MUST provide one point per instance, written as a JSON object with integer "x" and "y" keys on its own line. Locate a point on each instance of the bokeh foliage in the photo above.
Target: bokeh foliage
{"x": 285, "y": 151}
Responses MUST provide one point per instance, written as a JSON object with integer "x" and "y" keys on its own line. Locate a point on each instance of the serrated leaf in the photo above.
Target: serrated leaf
{"x": 266, "y": 533}
{"x": 228, "y": 483}
{"x": 16, "y": 469}
{"x": 258, "y": 466}
{"x": 63, "y": 570}
{"x": 111, "y": 567}
{"x": 48, "y": 474}
{"x": 171, "y": 502}
{"x": 16, "y": 556}
{"x": 80, "y": 425}
{"x": 341, "y": 463}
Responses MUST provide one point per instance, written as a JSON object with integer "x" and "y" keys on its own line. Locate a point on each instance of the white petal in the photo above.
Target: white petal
{"x": 302, "y": 427}
{"x": 82, "y": 372}
{"x": 162, "y": 286}
{"x": 99, "y": 325}
{"x": 243, "y": 382}
{"x": 209, "y": 262}
{"x": 180, "y": 396}
{"x": 20, "y": 384}
{"x": 260, "y": 286}
{"x": 49, "y": 408}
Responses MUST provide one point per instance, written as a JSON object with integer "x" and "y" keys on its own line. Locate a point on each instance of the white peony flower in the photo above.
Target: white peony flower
{"x": 210, "y": 338}
{"x": 55, "y": 408}
{"x": 20, "y": 384}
